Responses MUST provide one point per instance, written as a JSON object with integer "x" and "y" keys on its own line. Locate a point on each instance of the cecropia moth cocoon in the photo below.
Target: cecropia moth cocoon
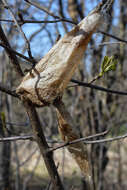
{"x": 44, "y": 83}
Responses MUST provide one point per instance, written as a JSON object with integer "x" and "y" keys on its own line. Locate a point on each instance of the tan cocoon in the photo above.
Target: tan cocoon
{"x": 51, "y": 75}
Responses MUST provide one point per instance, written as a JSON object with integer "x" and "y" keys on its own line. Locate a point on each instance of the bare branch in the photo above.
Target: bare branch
{"x": 49, "y": 12}
{"x": 19, "y": 28}
{"x": 43, "y": 146}
{"x": 17, "y": 138}
{"x": 39, "y": 21}
{"x": 26, "y": 137}
{"x": 110, "y": 43}
{"x": 106, "y": 140}
{"x": 38, "y": 132}
{"x": 37, "y": 5}
{"x": 84, "y": 139}
{"x": 18, "y": 54}
{"x": 80, "y": 83}
{"x": 6, "y": 89}
{"x": 112, "y": 36}
{"x": 10, "y": 54}
{"x": 79, "y": 140}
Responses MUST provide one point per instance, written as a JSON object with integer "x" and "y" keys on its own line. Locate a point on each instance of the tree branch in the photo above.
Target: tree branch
{"x": 6, "y": 89}
{"x": 18, "y": 54}
{"x": 10, "y": 54}
{"x": 80, "y": 83}
{"x": 39, "y": 21}
{"x": 35, "y": 122}
{"x": 79, "y": 140}
{"x": 43, "y": 146}
{"x": 19, "y": 28}
{"x": 85, "y": 141}
{"x": 17, "y": 138}
{"x": 48, "y": 12}
{"x": 112, "y": 36}
{"x": 106, "y": 140}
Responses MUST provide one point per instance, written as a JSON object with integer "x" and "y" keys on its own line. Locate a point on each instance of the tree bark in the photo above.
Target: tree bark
{"x": 43, "y": 146}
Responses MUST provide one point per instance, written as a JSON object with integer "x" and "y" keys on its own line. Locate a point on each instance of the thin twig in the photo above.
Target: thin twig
{"x": 40, "y": 138}
{"x": 59, "y": 20}
{"x": 26, "y": 137}
{"x": 49, "y": 12}
{"x": 19, "y": 28}
{"x": 16, "y": 138}
{"x": 37, "y": 5}
{"x": 6, "y": 89}
{"x": 10, "y": 54}
{"x": 112, "y": 36}
{"x": 106, "y": 140}
{"x": 18, "y": 54}
{"x": 79, "y": 140}
{"x": 110, "y": 43}
{"x": 84, "y": 139}
{"x": 80, "y": 83}
{"x": 39, "y": 21}
{"x": 65, "y": 20}
{"x": 95, "y": 79}
{"x": 12, "y": 93}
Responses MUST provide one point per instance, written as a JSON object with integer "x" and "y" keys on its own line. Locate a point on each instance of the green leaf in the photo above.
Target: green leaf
{"x": 105, "y": 60}
{"x": 108, "y": 64}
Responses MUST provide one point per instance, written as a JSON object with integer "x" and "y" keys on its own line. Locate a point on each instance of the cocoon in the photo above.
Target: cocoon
{"x": 48, "y": 79}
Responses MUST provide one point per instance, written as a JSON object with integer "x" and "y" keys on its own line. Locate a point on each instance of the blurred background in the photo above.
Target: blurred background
{"x": 21, "y": 166}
